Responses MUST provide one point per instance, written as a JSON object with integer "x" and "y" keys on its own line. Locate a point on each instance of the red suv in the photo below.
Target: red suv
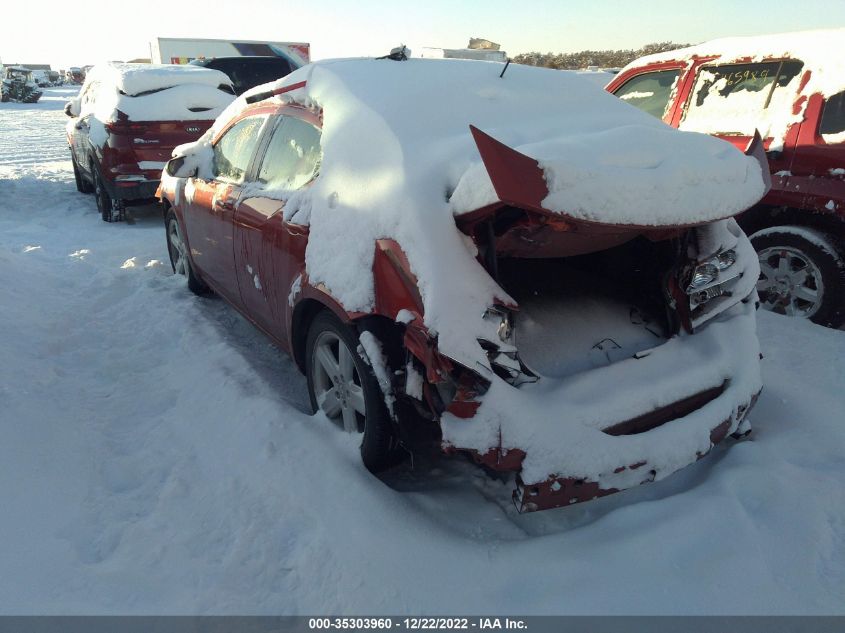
{"x": 126, "y": 121}
{"x": 576, "y": 309}
{"x": 791, "y": 88}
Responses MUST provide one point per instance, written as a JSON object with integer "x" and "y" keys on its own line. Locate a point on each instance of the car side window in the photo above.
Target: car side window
{"x": 739, "y": 98}
{"x": 650, "y": 92}
{"x": 293, "y": 156}
{"x": 233, "y": 152}
{"x": 833, "y": 116}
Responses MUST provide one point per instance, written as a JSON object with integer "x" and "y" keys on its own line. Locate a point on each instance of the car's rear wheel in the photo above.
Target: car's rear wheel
{"x": 111, "y": 210}
{"x": 801, "y": 274}
{"x": 343, "y": 386}
{"x": 177, "y": 249}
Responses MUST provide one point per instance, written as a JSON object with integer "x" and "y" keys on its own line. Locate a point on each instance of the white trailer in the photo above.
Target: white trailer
{"x": 176, "y": 50}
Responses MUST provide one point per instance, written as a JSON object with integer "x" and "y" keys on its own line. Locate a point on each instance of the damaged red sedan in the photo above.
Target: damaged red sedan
{"x": 515, "y": 266}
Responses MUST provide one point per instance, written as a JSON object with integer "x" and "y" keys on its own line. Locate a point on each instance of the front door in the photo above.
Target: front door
{"x": 270, "y": 234}
{"x": 211, "y": 205}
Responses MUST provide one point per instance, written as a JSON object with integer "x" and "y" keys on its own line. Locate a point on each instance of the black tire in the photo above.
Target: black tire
{"x": 804, "y": 249}
{"x": 180, "y": 256}
{"x": 110, "y": 210}
{"x": 379, "y": 446}
{"x": 82, "y": 185}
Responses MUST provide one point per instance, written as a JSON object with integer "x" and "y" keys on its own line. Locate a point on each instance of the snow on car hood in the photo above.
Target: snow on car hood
{"x": 397, "y": 146}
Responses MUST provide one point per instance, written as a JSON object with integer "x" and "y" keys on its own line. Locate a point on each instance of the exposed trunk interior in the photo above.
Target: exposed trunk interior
{"x": 586, "y": 311}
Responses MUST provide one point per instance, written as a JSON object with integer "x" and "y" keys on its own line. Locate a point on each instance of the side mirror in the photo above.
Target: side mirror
{"x": 177, "y": 168}
{"x": 72, "y": 108}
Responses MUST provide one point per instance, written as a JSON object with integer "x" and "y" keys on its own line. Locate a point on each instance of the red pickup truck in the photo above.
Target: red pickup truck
{"x": 791, "y": 88}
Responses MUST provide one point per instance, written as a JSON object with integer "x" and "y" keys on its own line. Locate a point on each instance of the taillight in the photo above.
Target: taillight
{"x": 125, "y": 127}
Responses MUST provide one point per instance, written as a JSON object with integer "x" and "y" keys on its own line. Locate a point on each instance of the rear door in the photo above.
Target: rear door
{"x": 211, "y": 204}
{"x": 819, "y": 165}
{"x": 270, "y": 231}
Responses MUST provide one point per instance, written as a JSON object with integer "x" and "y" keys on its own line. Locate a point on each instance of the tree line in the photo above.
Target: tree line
{"x": 602, "y": 59}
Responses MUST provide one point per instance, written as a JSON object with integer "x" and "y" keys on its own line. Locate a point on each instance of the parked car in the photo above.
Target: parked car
{"x": 250, "y": 71}
{"x": 571, "y": 303}
{"x": 126, "y": 121}
{"x": 41, "y": 78}
{"x": 17, "y": 85}
{"x": 75, "y": 75}
{"x": 792, "y": 89}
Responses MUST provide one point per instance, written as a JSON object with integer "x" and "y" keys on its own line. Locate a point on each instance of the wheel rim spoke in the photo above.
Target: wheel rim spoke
{"x": 350, "y": 420}
{"x": 347, "y": 367}
{"x": 327, "y": 360}
{"x": 356, "y": 399}
{"x": 807, "y": 294}
{"x": 766, "y": 270}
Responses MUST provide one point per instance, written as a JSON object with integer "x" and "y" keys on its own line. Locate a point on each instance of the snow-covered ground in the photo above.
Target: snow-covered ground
{"x": 156, "y": 455}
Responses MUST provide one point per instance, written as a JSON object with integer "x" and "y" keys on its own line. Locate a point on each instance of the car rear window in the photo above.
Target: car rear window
{"x": 739, "y": 98}
{"x": 250, "y": 73}
{"x": 650, "y": 92}
{"x": 833, "y": 117}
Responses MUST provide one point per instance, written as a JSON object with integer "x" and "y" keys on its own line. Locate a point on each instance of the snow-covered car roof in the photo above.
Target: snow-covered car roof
{"x": 819, "y": 50}
{"x": 399, "y": 161}
{"x": 154, "y": 92}
{"x": 133, "y": 79}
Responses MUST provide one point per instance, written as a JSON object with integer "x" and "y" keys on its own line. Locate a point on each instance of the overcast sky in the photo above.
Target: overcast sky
{"x": 86, "y": 31}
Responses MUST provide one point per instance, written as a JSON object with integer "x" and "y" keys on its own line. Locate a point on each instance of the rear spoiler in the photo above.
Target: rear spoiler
{"x": 755, "y": 148}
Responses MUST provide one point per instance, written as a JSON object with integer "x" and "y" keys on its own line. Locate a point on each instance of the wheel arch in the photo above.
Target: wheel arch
{"x": 765, "y": 216}
{"x": 384, "y": 328}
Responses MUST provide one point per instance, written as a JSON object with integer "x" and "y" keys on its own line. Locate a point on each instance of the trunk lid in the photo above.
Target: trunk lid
{"x": 519, "y": 225}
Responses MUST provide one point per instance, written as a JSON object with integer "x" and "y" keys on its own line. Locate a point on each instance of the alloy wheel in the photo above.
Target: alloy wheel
{"x": 178, "y": 251}
{"x": 337, "y": 382}
{"x": 790, "y": 282}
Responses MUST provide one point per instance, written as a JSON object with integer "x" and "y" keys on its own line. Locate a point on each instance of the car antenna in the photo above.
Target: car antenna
{"x": 398, "y": 54}
{"x": 507, "y": 63}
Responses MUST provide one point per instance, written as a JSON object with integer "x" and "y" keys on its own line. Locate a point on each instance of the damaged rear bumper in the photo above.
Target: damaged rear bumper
{"x": 631, "y": 422}
{"x": 556, "y": 492}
